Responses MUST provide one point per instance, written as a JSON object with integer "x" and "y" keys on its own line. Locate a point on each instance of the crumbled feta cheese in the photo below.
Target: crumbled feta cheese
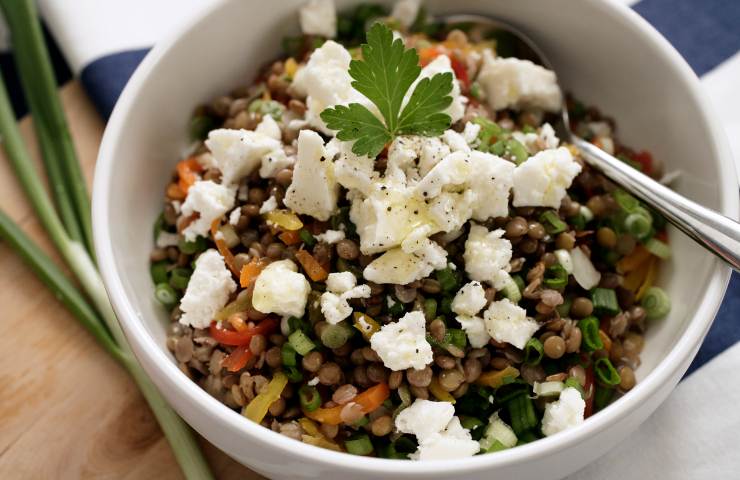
{"x": 237, "y": 153}
{"x": 442, "y": 64}
{"x": 314, "y": 190}
{"x": 269, "y": 127}
{"x": 403, "y": 344}
{"x": 406, "y": 11}
{"x": 313, "y": 382}
{"x": 542, "y": 180}
{"x": 268, "y": 205}
{"x": 275, "y": 161}
{"x": 470, "y": 299}
{"x": 515, "y": 83}
{"x": 325, "y": 82}
{"x": 563, "y": 413}
{"x": 454, "y": 169}
{"x": 491, "y": 182}
{"x": 455, "y": 141}
{"x": 487, "y": 256}
{"x": 210, "y": 201}
{"x": 450, "y": 210}
{"x": 475, "y": 329}
{"x": 352, "y": 171}
{"x": 470, "y": 133}
{"x": 432, "y": 152}
{"x": 399, "y": 267}
{"x": 280, "y": 289}
{"x": 167, "y": 239}
{"x": 438, "y": 431}
{"x": 340, "y": 282}
{"x": 330, "y": 236}
{"x": 208, "y": 290}
{"x": 319, "y": 17}
{"x": 235, "y": 215}
{"x": 545, "y": 139}
{"x": 508, "y": 322}
{"x": 341, "y": 287}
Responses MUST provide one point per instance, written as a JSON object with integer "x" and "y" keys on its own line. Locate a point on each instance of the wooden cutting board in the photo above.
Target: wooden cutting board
{"x": 68, "y": 411}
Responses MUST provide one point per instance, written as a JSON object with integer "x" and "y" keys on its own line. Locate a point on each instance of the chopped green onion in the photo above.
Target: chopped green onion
{"x": 602, "y": 397}
{"x": 334, "y": 336}
{"x": 158, "y": 272}
{"x": 309, "y": 398}
{"x": 519, "y": 281}
{"x": 158, "y": 226}
{"x": 396, "y": 309}
{"x": 589, "y": 327}
{"x": 456, "y": 337}
{"x": 552, "y": 222}
{"x": 306, "y": 237}
{"x": 626, "y": 202}
{"x": 288, "y": 355}
{"x": 586, "y": 212}
{"x": 517, "y": 153}
{"x": 656, "y": 303}
{"x": 521, "y": 412}
{"x": 294, "y": 375}
{"x": 165, "y": 294}
{"x": 359, "y": 445}
{"x": 512, "y": 290}
{"x": 528, "y": 129}
{"x": 605, "y": 301}
{"x": 191, "y": 248}
{"x": 447, "y": 279}
{"x": 301, "y": 343}
{"x": 430, "y": 308}
{"x": 533, "y": 352}
{"x": 267, "y": 107}
{"x": 564, "y": 308}
{"x": 571, "y": 382}
{"x": 578, "y": 222}
{"x": 496, "y": 446}
{"x": 489, "y": 130}
{"x": 475, "y": 91}
{"x": 445, "y": 306}
{"x": 179, "y": 277}
{"x": 639, "y": 223}
{"x": 556, "y": 276}
{"x": 361, "y": 422}
{"x": 526, "y": 437}
{"x": 200, "y": 125}
{"x": 474, "y": 424}
{"x": 606, "y": 373}
{"x": 658, "y": 248}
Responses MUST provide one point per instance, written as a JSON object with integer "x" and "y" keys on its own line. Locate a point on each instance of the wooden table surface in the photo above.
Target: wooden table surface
{"x": 68, "y": 411}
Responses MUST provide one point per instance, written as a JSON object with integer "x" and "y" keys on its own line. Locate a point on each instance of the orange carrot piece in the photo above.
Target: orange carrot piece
{"x": 174, "y": 192}
{"x": 237, "y": 359}
{"x": 633, "y": 260}
{"x": 290, "y": 237}
{"x": 369, "y": 400}
{"x": 251, "y": 271}
{"x": 187, "y": 171}
{"x": 223, "y": 249}
{"x": 313, "y": 268}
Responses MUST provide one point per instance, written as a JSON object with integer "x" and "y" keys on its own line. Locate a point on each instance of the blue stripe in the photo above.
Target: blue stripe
{"x": 706, "y": 32}
{"x": 105, "y": 78}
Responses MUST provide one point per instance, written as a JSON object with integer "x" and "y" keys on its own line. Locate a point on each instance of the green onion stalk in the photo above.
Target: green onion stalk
{"x": 99, "y": 318}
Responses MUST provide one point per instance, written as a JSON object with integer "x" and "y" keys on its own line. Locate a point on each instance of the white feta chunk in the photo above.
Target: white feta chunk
{"x": 341, "y": 287}
{"x": 319, "y": 17}
{"x": 330, "y": 236}
{"x": 470, "y": 299}
{"x": 340, "y": 282}
{"x": 210, "y": 201}
{"x": 508, "y": 322}
{"x": 491, "y": 182}
{"x": 167, "y": 239}
{"x": 545, "y": 139}
{"x": 352, "y": 171}
{"x": 235, "y": 215}
{"x": 432, "y": 152}
{"x": 453, "y": 170}
{"x": 515, "y": 83}
{"x": 456, "y": 141}
{"x": 314, "y": 190}
{"x": 455, "y": 441}
{"x": 208, "y": 290}
{"x": 476, "y": 330}
{"x": 487, "y": 256}
{"x": 406, "y": 11}
{"x": 450, "y": 210}
{"x": 470, "y": 133}
{"x": 237, "y": 153}
{"x": 403, "y": 344}
{"x": 280, "y": 289}
{"x": 275, "y": 161}
{"x": 564, "y": 260}
{"x": 268, "y": 205}
{"x": 563, "y": 413}
{"x": 542, "y": 180}
{"x": 424, "y": 418}
{"x": 399, "y": 267}
{"x": 269, "y": 127}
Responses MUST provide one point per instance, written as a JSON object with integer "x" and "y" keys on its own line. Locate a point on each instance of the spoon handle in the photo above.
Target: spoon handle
{"x": 715, "y": 232}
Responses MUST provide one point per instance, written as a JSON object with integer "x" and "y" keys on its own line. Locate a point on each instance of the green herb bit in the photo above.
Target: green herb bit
{"x": 200, "y": 125}
{"x": 533, "y": 352}
{"x": 589, "y": 327}
{"x": 180, "y": 277}
{"x": 605, "y": 301}
{"x": 294, "y": 375}
{"x": 190, "y": 248}
{"x": 602, "y": 397}
{"x": 571, "y": 382}
{"x": 288, "y": 355}
{"x": 447, "y": 279}
{"x": 552, "y": 222}
{"x": 522, "y": 413}
{"x": 306, "y": 237}
{"x": 384, "y": 75}
{"x": 430, "y": 308}
{"x": 626, "y": 202}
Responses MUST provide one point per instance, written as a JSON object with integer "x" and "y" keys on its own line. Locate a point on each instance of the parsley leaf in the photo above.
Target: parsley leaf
{"x": 384, "y": 75}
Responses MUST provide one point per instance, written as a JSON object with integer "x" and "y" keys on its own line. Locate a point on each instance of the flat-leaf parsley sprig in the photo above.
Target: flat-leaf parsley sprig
{"x": 384, "y": 75}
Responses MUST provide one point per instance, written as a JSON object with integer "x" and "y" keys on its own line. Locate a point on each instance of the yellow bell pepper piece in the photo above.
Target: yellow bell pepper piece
{"x": 309, "y": 427}
{"x": 495, "y": 378}
{"x": 257, "y": 408}
{"x": 238, "y": 305}
{"x": 649, "y": 279}
{"x": 440, "y": 393}
{"x": 291, "y": 67}
{"x": 322, "y": 442}
{"x": 636, "y": 277}
{"x": 365, "y": 324}
{"x": 284, "y": 219}
{"x": 638, "y": 256}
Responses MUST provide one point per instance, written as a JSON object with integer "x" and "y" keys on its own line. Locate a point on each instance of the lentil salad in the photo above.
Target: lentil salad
{"x": 332, "y": 305}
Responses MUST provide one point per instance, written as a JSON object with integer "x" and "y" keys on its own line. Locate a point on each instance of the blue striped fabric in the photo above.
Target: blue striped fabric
{"x": 105, "y": 78}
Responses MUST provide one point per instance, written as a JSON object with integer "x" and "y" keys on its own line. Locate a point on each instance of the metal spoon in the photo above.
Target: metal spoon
{"x": 715, "y": 232}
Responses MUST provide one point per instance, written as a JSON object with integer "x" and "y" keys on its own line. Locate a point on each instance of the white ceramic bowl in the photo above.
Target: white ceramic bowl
{"x": 602, "y": 51}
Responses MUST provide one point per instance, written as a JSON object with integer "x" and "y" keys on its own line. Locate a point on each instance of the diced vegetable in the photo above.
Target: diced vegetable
{"x": 658, "y": 248}
{"x": 251, "y": 271}
{"x": 165, "y": 294}
{"x": 552, "y": 222}
{"x": 223, "y": 249}
{"x": 605, "y": 301}
{"x": 369, "y": 400}
{"x": 306, "y": 237}
{"x": 533, "y": 351}
{"x": 288, "y": 355}
{"x": 652, "y": 271}
{"x": 257, "y": 408}
{"x": 626, "y": 202}
{"x": 158, "y": 272}
{"x": 234, "y": 338}
{"x": 583, "y": 270}
{"x": 301, "y": 343}
{"x": 556, "y": 277}
{"x": 200, "y": 125}
{"x": 309, "y": 398}
{"x": 365, "y": 324}
{"x": 440, "y": 393}
{"x": 447, "y": 279}
{"x": 605, "y": 372}
{"x": 284, "y": 219}
{"x": 179, "y": 277}
{"x": 632, "y": 261}
{"x": 192, "y": 247}
{"x": 430, "y": 308}
{"x": 589, "y": 327}
{"x": 572, "y": 382}
{"x": 322, "y": 442}
{"x": 359, "y": 445}
{"x": 187, "y": 172}
{"x": 547, "y": 389}
{"x": 237, "y": 359}
{"x": 498, "y": 435}
{"x": 313, "y": 268}
{"x": 521, "y": 412}
{"x": 334, "y": 336}
{"x": 656, "y": 303}
{"x": 639, "y": 223}
{"x": 496, "y": 378}
{"x": 241, "y": 303}
{"x": 602, "y": 396}
{"x": 512, "y": 290}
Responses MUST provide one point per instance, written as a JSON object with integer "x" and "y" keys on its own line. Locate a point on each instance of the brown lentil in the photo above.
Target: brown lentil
{"x": 351, "y": 412}
{"x": 347, "y": 249}
{"x": 516, "y": 227}
{"x": 419, "y": 392}
{"x": 395, "y": 379}
{"x": 382, "y": 426}
{"x": 419, "y": 378}
{"x": 573, "y": 341}
{"x": 581, "y": 307}
{"x": 344, "y": 394}
{"x": 437, "y": 329}
{"x": 565, "y": 240}
{"x": 472, "y": 369}
{"x": 627, "y": 378}
{"x": 444, "y": 361}
{"x": 377, "y": 373}
{"x": 312, "y": 362}
{"x": 554, "y": 347}
{"x": 449, "y": 380}
{"x": 536, "y": 230}
{"x": 606, "y": 237}
{"x": 330, "y": 374}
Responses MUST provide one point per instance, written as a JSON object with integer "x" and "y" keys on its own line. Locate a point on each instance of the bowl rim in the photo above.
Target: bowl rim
{"x": 171, "y": 379}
